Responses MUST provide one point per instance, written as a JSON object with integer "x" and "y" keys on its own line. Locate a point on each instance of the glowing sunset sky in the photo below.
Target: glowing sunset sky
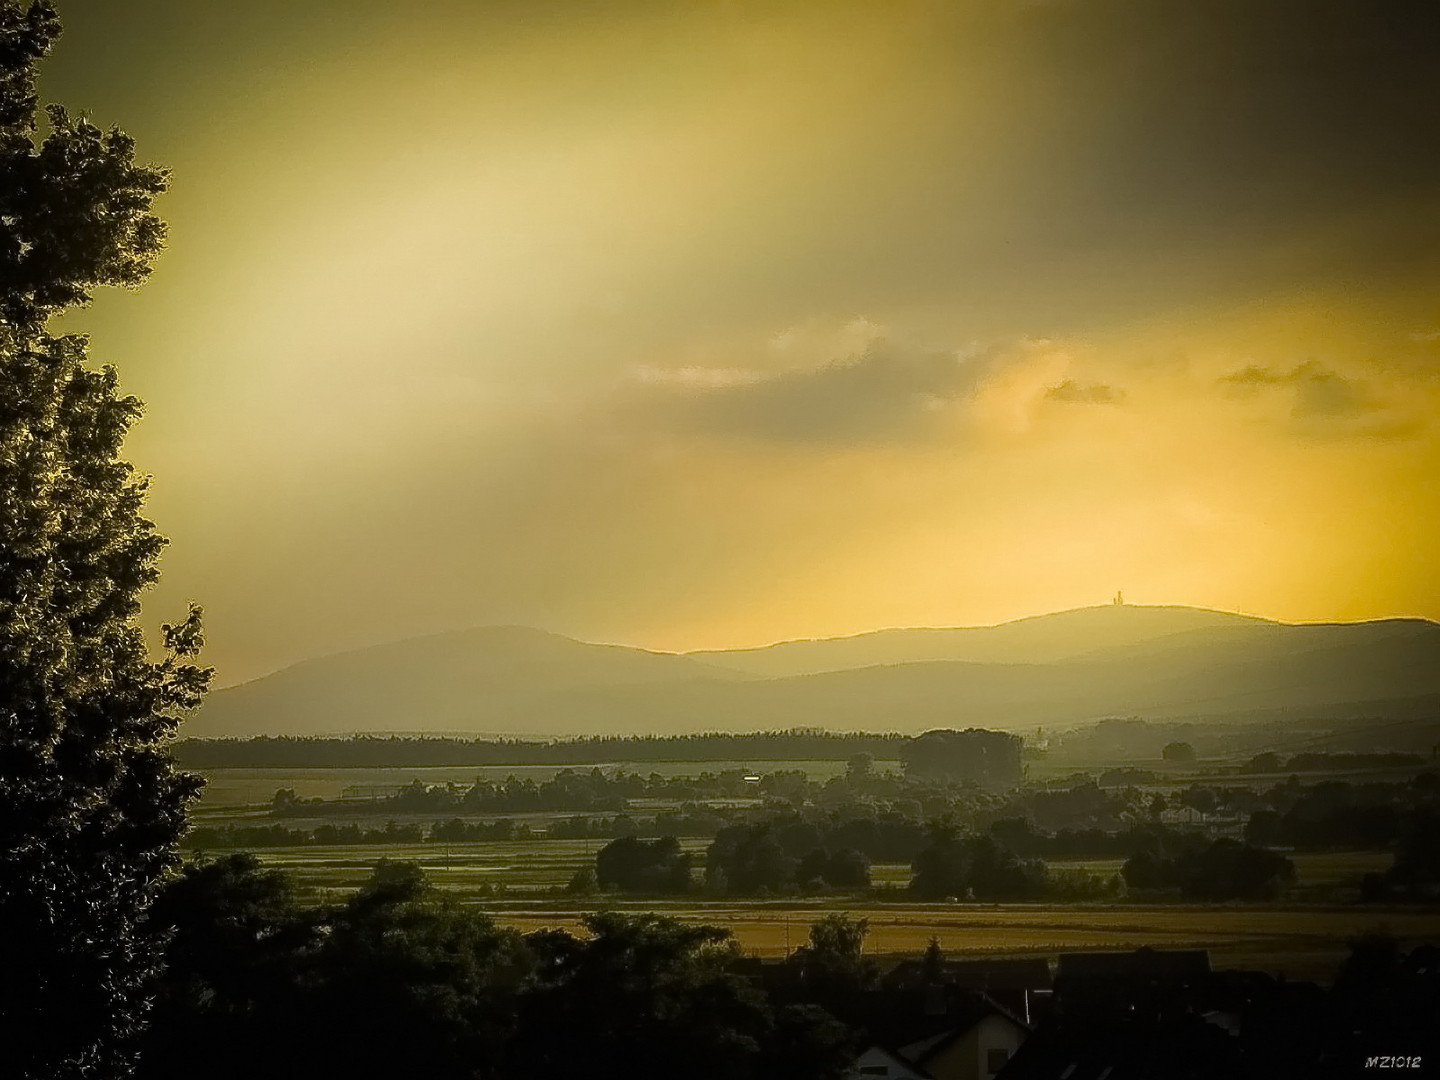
{"x": 709, "y": 324}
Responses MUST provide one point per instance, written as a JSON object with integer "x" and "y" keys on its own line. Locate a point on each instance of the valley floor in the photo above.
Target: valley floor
{"x": 518, "y": 882}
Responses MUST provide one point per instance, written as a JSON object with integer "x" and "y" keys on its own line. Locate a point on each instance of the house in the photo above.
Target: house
{"x": 1148, "y": 979}
{"x": 1020, "y": 985}
{"x": 879, "y": 1062}
{"x": 1132, "y": 1048}
{"x": 1144, "y": 969}
{"x": 956, "y": 1036}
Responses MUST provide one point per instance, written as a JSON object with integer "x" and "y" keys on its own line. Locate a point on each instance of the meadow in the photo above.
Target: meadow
{"x": 522, "y": 884}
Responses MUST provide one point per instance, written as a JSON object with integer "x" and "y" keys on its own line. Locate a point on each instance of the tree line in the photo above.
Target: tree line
{"x": 785, "y": 857}
{"x": 378, "y": 751}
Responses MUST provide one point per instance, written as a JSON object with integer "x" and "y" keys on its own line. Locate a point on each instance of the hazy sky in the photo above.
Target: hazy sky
{"x": 705, "y": 324}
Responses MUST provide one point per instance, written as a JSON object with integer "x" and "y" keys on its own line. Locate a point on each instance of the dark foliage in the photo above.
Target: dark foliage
{"x": 398, "y": 982}
{"x": 649, "y": 996}
{"x": 1414, "y": 874}
{"x": 843, "y": 869}
{"x": 1335, "y": 815}
{"x": 1224, "y": 869}
{"x": 90, "y": 804}
{"x": 750, "y": 859}
{"x": 643, "y": 866}
{"x": 988, "y": 758}
{"x": 394, "y": 981}
{"x": 973, "y": 867}
{"x": 234, "y": 967}
{"x": 832, "y": 962}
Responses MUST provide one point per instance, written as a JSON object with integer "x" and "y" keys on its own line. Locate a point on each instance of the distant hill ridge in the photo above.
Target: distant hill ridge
{"x": 1031, "y": 640}
{"x": 1067, "y": 667}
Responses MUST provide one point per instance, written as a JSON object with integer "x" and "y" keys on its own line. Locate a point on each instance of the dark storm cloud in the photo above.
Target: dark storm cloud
{"x": 1144, "y": 153}
{"x": 1240, "y": 108}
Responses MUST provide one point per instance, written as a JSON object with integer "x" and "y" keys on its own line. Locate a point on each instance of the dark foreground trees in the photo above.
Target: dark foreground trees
{"x": 649, "y": 996}
{"x": 90, "y": 804}
{"x": 399, "y": 982}
{"x": 396, "y": 981}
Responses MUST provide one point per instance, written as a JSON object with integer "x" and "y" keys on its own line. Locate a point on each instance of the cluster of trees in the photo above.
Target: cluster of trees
{"x": 987, "y": 758}
{"x": 790, "y": 854}
{"x": 780, "y": 856}
{"x": 1221, "y": 869}
{"x": 398, "y": 982}
{"x": 1414, "y": 874}
{"x": 1337, "y": 815}
{"x": 1073, "y": 805}
{"x": 643, "y": 866}
{"x": 374, "y": 751}
{"x": 974, "y": 868}
{"x": 1020, "y": 836}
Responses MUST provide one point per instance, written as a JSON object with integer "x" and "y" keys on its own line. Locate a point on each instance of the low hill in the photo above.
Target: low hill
{"x": 467, "y": 680}
{"x": 1039, "y": 639}
{"x": 1057, "y": 670}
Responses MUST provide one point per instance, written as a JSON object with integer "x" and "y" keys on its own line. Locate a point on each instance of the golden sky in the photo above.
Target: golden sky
{"x": 706, "y": 324}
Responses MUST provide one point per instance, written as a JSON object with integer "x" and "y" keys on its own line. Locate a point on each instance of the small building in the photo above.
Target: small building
{"x": 1129, "y": 1049}
{"x": 1145, "y": 978}
{"x": 1141, "y": 965}
{"x": 973, "y": 1038}
{"x": 878, "y": 1062}
{"x": 1018, "y": 985}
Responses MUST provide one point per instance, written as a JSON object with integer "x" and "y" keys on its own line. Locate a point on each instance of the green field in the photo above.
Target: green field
{"x": 525, "y": 866}
{"x": 1301, "y": 942}
{"x": 521, "y": 883}
{"x": 467, "y": 870}
{"x": 514, "y": 881}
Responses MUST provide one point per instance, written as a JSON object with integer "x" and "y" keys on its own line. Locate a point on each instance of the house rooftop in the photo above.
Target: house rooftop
{"x": 986, "y": 975}
{"x": 1143, "y": 963}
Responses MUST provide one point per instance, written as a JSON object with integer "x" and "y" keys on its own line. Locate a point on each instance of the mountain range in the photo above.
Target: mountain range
{"x": 1052, "y": 670}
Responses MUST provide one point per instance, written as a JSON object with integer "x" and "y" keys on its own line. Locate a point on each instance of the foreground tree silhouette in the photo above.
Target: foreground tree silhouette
{"x": 647, "y": 996}
{"x": 90, "y": 803}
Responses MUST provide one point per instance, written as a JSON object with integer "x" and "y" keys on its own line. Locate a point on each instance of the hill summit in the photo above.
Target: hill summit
{"x": 1064, "y": 668}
